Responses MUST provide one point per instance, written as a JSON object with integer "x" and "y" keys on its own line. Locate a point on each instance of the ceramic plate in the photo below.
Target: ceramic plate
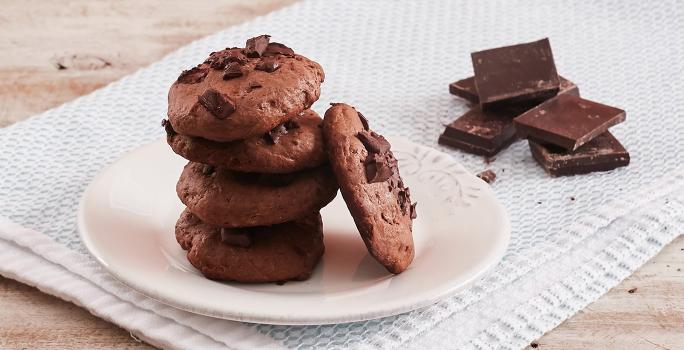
{"x": 127, "y": 215}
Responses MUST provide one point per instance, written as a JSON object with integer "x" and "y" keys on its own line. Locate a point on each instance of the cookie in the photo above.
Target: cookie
{"x": 238, "y": 93}
{"x": 292, "y": 146}
{"x": 225, "y": 198}
{"x": 369, "y": 180}
{"x": 288, "y": 251}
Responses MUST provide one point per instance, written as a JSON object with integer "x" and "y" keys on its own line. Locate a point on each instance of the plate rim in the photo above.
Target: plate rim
{"x": 391, "y": 308}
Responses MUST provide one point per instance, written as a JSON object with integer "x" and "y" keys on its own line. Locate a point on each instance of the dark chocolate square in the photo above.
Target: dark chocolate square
{"x": 465, "y": 88}
{"x": 515, "y": 74}
{"x": 568, "y": 121}
{"x": 481, "y": 132}
{"x": 603, "y": 153}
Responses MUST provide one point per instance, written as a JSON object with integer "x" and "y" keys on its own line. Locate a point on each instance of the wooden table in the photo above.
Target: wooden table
{"x": 56, "y": 51}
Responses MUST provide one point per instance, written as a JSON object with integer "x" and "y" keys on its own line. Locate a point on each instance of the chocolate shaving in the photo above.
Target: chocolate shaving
{"x": 208, "y": 169}
{"x": 487, "y": 176}
{"x": 232, "y": 71}
{"x": 364, "y": 121}
{"x": 192, "y": 76}
{"x": 278, "y": 49}
{"x": 236, "y": 238}
{"x": 268, "y": 64}
{"x": 256, "y": 46}
{"x": 414, "y": 214}
{"x": 373, "y": 142}
{"x": 217, "y": 104}
{"x": 166, "y": 124}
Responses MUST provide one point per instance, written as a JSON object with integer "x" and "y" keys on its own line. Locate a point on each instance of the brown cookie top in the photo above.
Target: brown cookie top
{"x": 225, "y": 198}
{"x": 369, "y": 180}
{"x": 238, "y": 93}
{"x": 294, "y": 145}
{"x": 288, "y": 251}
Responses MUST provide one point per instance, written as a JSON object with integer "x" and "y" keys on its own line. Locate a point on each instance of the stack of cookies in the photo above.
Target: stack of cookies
{"x": 258, "y": 172}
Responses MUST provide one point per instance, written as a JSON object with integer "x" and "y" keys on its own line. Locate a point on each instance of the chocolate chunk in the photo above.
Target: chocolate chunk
{"x": 219, "y": 60}
{"x": 373, "y": 142}
{"x": 378, "y": 167}
{"x": 414, "y": 214}
{"x": 168, "y": 127}
{"x": 232, "y": 71}
{"x": 217, "y": 104}
{"x": 256, "y": 46}
{"x": 364, "y": 121}
{"x": 192, "y": 76}
{"x": 278, "y": 49}
{"x": 275, "y": 133}
{"x": 567, "y": 121}
{"x": 513, "y": 74}
{"x": 487, "y": 176}
{"x": 465, "y": 88}
{"x": 481, "y": 132}
{"x": 208, "y": 169}
{"x": 268, "y": 64}
{"x": 603, "y": 153}
{"x": 236, "y": 237}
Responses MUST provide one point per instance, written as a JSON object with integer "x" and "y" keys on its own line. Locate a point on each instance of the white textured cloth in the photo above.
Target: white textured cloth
{"x": 573, "y": 238}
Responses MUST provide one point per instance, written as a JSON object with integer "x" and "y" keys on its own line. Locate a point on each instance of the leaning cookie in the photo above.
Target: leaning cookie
{"x": 369, "y": 180}
{"x": 288, "y": 251}
{"x": 239, "y": 93}
{"x": 292, "y": 146}
{"x": 225, "y": 198}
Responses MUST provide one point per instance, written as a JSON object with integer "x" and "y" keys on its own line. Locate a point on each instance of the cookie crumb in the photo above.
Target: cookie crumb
{"x": 534, "y": 345}
{"x": 631, "y": 291}
{"x": 487, "y": 176}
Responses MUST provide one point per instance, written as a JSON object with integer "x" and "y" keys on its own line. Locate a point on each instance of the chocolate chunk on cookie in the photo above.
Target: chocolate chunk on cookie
{"x": 288, "y": 251}
{"x": 226, "y": 198}
{"x": 241, "y": 93}
{"x": 292, "y": 146}
{"x": 369, "y": 180}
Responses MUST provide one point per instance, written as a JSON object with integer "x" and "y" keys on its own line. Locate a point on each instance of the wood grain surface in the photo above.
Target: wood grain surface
{"x": 56, "y": 51}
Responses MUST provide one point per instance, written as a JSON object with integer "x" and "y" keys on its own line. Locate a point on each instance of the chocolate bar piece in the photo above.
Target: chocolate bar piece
{"x": 465, "y": 88}
{"x": 515, "y": 74}
{"x": 481, "y": 132}
{"x": 568, "y": 121}
{"x": 600, "y": 154}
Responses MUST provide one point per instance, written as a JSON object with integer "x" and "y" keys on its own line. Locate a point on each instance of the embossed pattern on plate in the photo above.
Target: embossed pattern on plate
{"x": 127, "y": 217}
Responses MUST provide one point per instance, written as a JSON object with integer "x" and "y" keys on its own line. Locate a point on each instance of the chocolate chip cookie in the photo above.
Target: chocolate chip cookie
{"x": 288, "y": 251}
{"x": 369, "y": 180}
{"x": 238, "y": 93}
{"x": 292, "y": 146}
{"x": 226, "y": 198}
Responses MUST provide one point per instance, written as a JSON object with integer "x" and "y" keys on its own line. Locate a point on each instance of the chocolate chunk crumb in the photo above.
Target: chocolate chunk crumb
{"x": 192, "y": 76}
{"x": 364, "y": 121}
{"x": 487, "y": 176}
{"x": 217, "y": 104}
{"x": 256, "y": 46}
{"x": 373, "y": 142}
{"x": 232, "y": 71}
{"x": 268, "y": 64}
{"x": 235, "y": 238}
{"x": 208, "y": 169}
{"x": 278, "y": 49}
{"x": 534, "y": 345}
{"x": 414, "y": 214}
{"x": 631, "y": 291}
{"x": 572, "y": 199}
{"x": 166, "y": 124}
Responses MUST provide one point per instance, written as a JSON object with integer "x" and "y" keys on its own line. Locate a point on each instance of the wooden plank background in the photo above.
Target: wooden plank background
{"x": 56, "y": 51}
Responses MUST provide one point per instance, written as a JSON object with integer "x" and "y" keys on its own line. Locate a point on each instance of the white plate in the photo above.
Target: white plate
{"x": 127, "y": 215}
